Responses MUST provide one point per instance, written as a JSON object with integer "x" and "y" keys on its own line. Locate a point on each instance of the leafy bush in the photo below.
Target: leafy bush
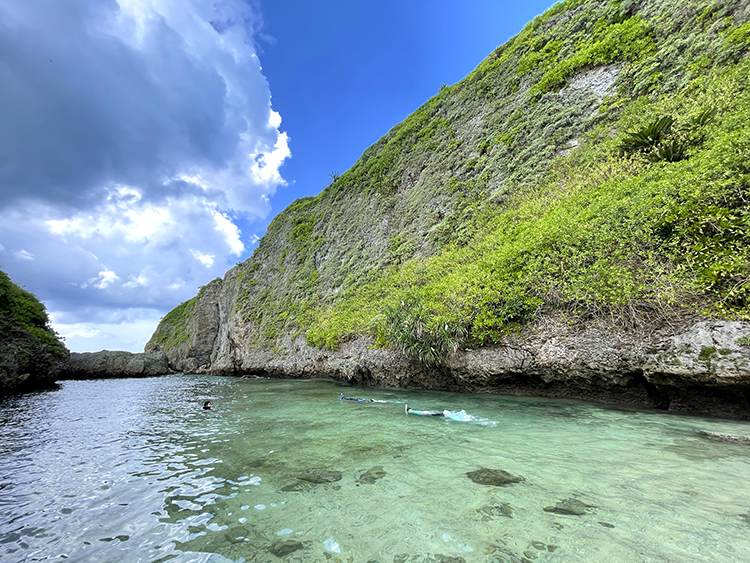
{"x": 421, "y": 334}
{"x": 648, "y": 137}
{"x": 658, "y": 141}
{"x": 499, "y": 312}
{"x": 30, "y": 314}
{"x": 172, "y": 329}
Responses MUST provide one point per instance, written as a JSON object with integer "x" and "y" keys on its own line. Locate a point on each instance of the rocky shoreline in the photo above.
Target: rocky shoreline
{"x": 26, "y": 364}
{"x": 702, "y": 369}
{"x": 111, "y": 364}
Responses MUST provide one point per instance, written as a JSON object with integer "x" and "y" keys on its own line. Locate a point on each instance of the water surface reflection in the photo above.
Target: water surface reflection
{"x": 128, "y": 470}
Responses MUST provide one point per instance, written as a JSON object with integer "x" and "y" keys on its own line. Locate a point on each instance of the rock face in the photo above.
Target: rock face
{"x": 109, "y": 364}
{"x": 31, "y": 353}
{"x": 702, "y": 369}
{"x": 24, "y": 362}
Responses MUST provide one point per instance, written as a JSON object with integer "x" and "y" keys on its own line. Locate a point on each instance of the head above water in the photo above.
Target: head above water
{"x": 207, "y": 405}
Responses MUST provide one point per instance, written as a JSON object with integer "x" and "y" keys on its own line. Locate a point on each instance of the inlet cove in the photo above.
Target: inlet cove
{"x": 136, "y": 470}
{"x": 515, "y": 330}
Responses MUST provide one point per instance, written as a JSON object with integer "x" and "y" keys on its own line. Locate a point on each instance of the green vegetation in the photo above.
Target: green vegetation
{"x": 534, "y": 187}
{"x": 605, "y": 234}
{"x": 172, "y": 328}
{"x": 707, "y": 353}
{"x": 421, "y": 332}
{"x": 658, "y": 141}
{"x": 30, "y": 315}
{"x": 610, "y": 42}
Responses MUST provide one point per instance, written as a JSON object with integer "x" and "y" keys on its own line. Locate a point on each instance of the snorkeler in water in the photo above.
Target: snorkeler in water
{"x": 352, "y": 399}
{"x": 423, "y": 413}
{"x": 358, "y": 400}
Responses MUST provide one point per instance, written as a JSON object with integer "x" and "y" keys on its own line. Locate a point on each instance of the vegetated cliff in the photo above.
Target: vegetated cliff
{"x": 31, "y": 354}
{"x": 571, "y": 219}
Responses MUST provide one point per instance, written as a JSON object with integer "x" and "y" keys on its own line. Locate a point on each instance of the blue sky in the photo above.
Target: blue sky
{"x": 147, "y": 144}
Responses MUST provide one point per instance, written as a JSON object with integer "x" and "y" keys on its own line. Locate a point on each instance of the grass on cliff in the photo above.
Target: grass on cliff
{"x": 600, "y": 232}
{"x": 607, "y": 233}
{"x": 172, "y": 329}
{"x": 30, "y": 314}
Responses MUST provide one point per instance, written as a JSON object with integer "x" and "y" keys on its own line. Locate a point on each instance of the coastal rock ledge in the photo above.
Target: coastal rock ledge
{"x": 111, "y": 364}
{"x": 702, "y": 368}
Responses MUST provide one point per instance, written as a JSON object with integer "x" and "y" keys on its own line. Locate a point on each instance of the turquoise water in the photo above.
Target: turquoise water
{"x": 281, "y": 470}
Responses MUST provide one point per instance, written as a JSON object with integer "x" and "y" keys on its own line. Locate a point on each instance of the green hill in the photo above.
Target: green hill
{"x": 592, "y": 171}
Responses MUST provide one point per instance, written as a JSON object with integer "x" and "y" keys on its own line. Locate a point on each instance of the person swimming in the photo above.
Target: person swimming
{"x": 423, "y": 413}
{"x": 352, "y": 399}
{"x": 358, "y": 400}
{"x": 207, "y": 406}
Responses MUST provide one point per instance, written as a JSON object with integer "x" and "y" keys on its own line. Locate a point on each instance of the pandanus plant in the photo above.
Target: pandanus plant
{"x": 661, "y": 141}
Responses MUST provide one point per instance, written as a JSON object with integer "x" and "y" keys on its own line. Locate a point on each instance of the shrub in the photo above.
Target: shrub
{"x": 659, "y": 141}
{"x": 421, "y": 334}
{"x": 30, "y": 314}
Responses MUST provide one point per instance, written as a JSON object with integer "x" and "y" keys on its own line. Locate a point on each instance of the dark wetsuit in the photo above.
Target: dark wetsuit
{"x": 424, "y": 413}
{"x": 352, "y": 399}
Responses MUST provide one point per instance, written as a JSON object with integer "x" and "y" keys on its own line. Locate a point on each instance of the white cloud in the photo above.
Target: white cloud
{"x": 23, "y": 255}
{"x": 102, "y": 281}
{"x": 137, "y": 135}
{"x": 135, "y": 281}
{"x": 205, "y": 259}
{"x": 274, "y": 120}
{"x": 129, "y": 332}
{"x": 138, "y": 93}
{"x": 230, "y": 232}
{"x": 265, "y": 167}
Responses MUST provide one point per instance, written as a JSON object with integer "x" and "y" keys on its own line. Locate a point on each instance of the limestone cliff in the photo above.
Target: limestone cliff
{"x": 569, "y": 220}
{"x": 702, "y": 369}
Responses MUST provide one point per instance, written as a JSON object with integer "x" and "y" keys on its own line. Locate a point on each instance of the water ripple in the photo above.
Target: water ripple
{"x": 129, "y": 470}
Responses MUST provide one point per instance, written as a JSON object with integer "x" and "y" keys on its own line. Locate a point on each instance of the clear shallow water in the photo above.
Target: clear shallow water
{"x": 135, "y": 470}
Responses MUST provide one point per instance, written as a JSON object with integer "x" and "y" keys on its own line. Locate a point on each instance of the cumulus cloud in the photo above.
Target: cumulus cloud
{"x": 120, "y": 254}
{"x": 138, "y": 92}
{"x": 137, "y": 136}
{"x": 103, "y": 280}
